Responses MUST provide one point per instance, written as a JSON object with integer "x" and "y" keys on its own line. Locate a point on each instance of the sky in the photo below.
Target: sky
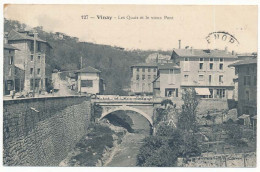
{"x": 190, "y": 24}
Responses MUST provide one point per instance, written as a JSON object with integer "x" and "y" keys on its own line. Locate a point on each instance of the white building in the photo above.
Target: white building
{"x": 89, "y": 81}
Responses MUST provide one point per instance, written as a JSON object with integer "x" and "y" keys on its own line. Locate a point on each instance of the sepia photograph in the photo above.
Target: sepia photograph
{"x": 102, "y": 85}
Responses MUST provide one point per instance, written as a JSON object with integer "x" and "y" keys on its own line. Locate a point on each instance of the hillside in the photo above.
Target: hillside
{"x": 114, "y": 62}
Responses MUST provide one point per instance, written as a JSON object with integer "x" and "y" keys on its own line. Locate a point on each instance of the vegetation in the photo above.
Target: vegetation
{"x": 169, "y": 142}
{"x": 92, "y": 145}
{"x": 187, "y": 119}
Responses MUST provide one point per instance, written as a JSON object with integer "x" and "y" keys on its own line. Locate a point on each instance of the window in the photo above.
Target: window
{"x": 201, "y": 77}
{"x": 137, "y": 69}
{"x": 143, "y": 69}
{"x": 247, "y": 70}
{"x": 31, "y": 58}
{"x": 38, "y": 71}
{"x": 220, "y": 79}
{"x": 221, "y": 93}
{"x": 247, "y": 96}
{"x": 10, "y": 72}
{"x": 186, "y": 59}
{"x": 201, "y": 66}
{"x": 171, "y": 92}
{"x": 149, "y": 69}
{"x": 32, "y": 46}
{"x": 143, "y": 77}
{"x": 149, "y": 76}
{"x": 39, "y": 58}
{"x": 221, "y": 66}
{"x": 186, "y": 77}
{"x": 86, "y": 83}
{"x": 211, "y": 66}
{"x": 210, "y": 79}
{"x": 211, "y": 93}
{"x": 11, "y": 60}
{"x": 211, "y": 59}
{"x": 10, "y": 51}
{"x": 220, "y": 59}
{"x": 137, "y": 77}
{"x": 154, "y": 69}
{"x": 39, "y": 46}
{"x": 31, "y": 71}
{"x": 201, "y": 59}
{"x": 249, "y": 80}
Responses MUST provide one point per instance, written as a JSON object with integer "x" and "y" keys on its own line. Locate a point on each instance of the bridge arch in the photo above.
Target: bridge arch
{"x": 128, "y": 108}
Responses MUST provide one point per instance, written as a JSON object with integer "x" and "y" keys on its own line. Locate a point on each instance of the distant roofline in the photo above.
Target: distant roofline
{"x": 145, "y": 65}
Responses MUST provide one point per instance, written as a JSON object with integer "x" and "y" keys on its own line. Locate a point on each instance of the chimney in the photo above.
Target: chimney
{"x": 179, "y": 44}
{"x": 226, "y": 49}
{"x": 6, "y": 37}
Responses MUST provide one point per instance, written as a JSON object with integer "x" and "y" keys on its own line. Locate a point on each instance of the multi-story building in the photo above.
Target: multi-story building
{"x": 9, "y": 68}
{"x": 143, "y": 75}
{"x": 247, "y": 86}
{"x": 89, "y": 81}
{"x": 207, "y": 71}
{"x": 34, "y": 66}
{"x": 167, "y": 84}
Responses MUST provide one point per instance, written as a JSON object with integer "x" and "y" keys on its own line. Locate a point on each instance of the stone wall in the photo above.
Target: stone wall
{"x": 41, "y": 131}
{"x": 225, "y": 160}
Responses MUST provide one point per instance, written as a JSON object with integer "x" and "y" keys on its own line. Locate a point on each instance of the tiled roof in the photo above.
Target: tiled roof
{"x": 145, "y": 65}
{"x": 88, "y": 69}
{"x": 244, "y": 62}
{"x": 168, "y": 66}
{"x": 10, "y": 47}
{"x": 203, "y": 53}
{"x": 15, "y": 36}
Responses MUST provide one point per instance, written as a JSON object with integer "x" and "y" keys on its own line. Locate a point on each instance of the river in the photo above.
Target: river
{"x": 125, "y": 154}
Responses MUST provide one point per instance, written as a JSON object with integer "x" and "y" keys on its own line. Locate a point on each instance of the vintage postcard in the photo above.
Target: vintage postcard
{"x": 104, "y": 85}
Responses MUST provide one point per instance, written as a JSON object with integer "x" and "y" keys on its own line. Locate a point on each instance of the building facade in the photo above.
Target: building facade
{"x": 89, "y": 81}
{"x": 9, "y": 68}
{"x": 142, "y": 77}
{"x": 207, "y": 71}
{"x": 34, "y": 66}
{"x": 167, "y": 83}
{"x": 247, "y": 86}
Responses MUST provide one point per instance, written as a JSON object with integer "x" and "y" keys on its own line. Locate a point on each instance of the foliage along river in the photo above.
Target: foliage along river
{"x": 125, "y": 154}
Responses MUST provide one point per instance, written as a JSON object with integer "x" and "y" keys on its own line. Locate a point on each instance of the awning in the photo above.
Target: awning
{"x": 244, "y": 116}
{"x": 202, "y": 91}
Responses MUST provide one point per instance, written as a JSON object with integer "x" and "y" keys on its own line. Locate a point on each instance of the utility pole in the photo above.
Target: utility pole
{"x": 34, "y": 57}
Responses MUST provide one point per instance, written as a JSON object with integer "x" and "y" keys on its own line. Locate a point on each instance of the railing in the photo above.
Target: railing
{"x": 116, "y": 98}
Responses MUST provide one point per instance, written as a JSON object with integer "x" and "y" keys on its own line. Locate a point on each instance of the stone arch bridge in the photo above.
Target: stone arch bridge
{"x": 142, "y": 107}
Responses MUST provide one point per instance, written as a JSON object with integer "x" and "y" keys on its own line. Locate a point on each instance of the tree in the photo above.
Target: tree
{"x": 187, "y": 118}
{"x": 166, "y": 102}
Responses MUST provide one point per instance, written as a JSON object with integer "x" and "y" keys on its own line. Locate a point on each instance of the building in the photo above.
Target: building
{"x": 89, "y": 81}
{"x": 247, "y": 86}
{"x": 31, "y": 65}
{"x": 142, "y": 76}
{"x": 9, "y": 68}
{"x": 207, "y": 71}
{"x": 167, "y": 83}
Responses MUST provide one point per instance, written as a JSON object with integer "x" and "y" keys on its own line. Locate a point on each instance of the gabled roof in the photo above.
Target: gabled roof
{"x": 88, "y": 69}
{"x": 203, "y": 53}
{"x": 10, "y": 47}
{"x": 244, "y": 62}
{"x": 145, "y": 65}
{"x": 16, "y": 36}
{"x": 168, "y": 66}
